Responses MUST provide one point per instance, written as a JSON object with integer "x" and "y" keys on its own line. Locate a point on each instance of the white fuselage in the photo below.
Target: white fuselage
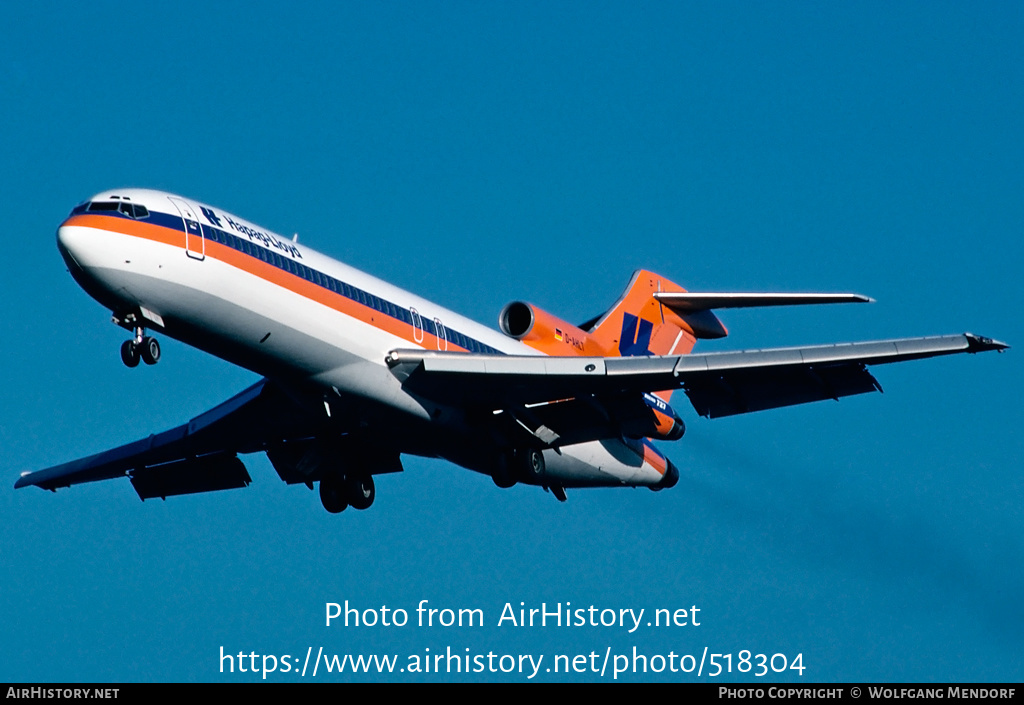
{"x": 254, "y": 298}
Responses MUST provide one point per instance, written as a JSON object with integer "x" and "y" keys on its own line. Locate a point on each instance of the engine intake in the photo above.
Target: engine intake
{"x": 516, "y": 320}
{"x": 545, "y": 332}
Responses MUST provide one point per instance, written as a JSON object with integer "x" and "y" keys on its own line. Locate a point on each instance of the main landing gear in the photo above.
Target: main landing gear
{"x": 337, "y": 493}
{"x": 142, "y": 347}
{"x": 525, "y": 464}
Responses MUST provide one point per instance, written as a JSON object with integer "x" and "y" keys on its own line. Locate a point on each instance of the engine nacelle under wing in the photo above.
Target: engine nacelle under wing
{"x": 661, "y": 422}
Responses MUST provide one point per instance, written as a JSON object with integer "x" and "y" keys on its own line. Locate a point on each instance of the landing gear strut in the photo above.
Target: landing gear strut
{"x": 142, "y": 347}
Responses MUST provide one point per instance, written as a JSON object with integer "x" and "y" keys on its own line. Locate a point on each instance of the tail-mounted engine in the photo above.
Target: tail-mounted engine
{"x": 544, "y": 331}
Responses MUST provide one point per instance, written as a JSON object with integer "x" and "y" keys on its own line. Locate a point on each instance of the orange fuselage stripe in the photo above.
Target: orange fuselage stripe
{"x": 266, "y": 272}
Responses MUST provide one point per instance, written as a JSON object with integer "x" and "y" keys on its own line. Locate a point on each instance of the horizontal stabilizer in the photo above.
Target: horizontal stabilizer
{"x": 688, "y": 301}
{"x": 695, "y": 308}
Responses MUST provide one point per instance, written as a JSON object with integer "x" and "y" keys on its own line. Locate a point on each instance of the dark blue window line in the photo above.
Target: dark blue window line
{"x": 399, "y": 313}
{"x": 314, "y": 276}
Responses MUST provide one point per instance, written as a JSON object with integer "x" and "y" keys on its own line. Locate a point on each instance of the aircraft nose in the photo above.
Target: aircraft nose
{"x": 81, "y": 248}
{"x": 69, "y": 243}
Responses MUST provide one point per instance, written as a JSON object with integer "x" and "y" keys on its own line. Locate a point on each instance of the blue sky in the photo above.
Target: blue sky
{"x": 477, "y": 153}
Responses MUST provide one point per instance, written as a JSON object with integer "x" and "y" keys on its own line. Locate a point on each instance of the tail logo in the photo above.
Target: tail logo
{"x": 636, "y": 336}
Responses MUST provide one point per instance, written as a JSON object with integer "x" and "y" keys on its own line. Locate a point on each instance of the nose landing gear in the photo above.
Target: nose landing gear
{"x": 142, "y": 347}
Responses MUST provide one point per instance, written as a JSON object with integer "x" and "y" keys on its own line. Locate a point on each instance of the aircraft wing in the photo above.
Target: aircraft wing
{"x": 202, "y": 455}
{"x": 717, "y": 384}
{"x": 198, "y": 456}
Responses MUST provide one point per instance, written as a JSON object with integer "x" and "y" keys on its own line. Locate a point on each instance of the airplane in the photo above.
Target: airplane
{"x": 355, "y": 372}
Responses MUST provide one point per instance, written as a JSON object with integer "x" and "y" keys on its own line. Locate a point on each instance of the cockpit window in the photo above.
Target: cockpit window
{"x": 132, "y": 210}
{"x": 104, "y": 206}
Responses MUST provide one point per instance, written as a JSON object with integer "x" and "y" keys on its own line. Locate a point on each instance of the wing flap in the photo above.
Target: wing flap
{"x": 206, "y": 474}
{"x": 740, "y": 392}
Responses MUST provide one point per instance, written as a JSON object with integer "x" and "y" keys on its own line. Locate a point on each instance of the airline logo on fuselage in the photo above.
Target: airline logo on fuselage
{"x": 266, "y": 239}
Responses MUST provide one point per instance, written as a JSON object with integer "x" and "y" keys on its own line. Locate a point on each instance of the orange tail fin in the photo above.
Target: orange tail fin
{"x": 639, "y": 325}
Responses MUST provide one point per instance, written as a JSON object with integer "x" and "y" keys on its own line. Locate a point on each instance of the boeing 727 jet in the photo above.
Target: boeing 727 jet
{"x": 356, "y": 372}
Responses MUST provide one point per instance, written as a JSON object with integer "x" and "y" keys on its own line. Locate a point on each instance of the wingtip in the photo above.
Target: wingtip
{"x": 30, "y": 478}
{"x": 981, "y": 343}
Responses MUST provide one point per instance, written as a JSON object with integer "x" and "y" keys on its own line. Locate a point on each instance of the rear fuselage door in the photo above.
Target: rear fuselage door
{"x": 442, "y": 335}
{"x": 195, "y": 246}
